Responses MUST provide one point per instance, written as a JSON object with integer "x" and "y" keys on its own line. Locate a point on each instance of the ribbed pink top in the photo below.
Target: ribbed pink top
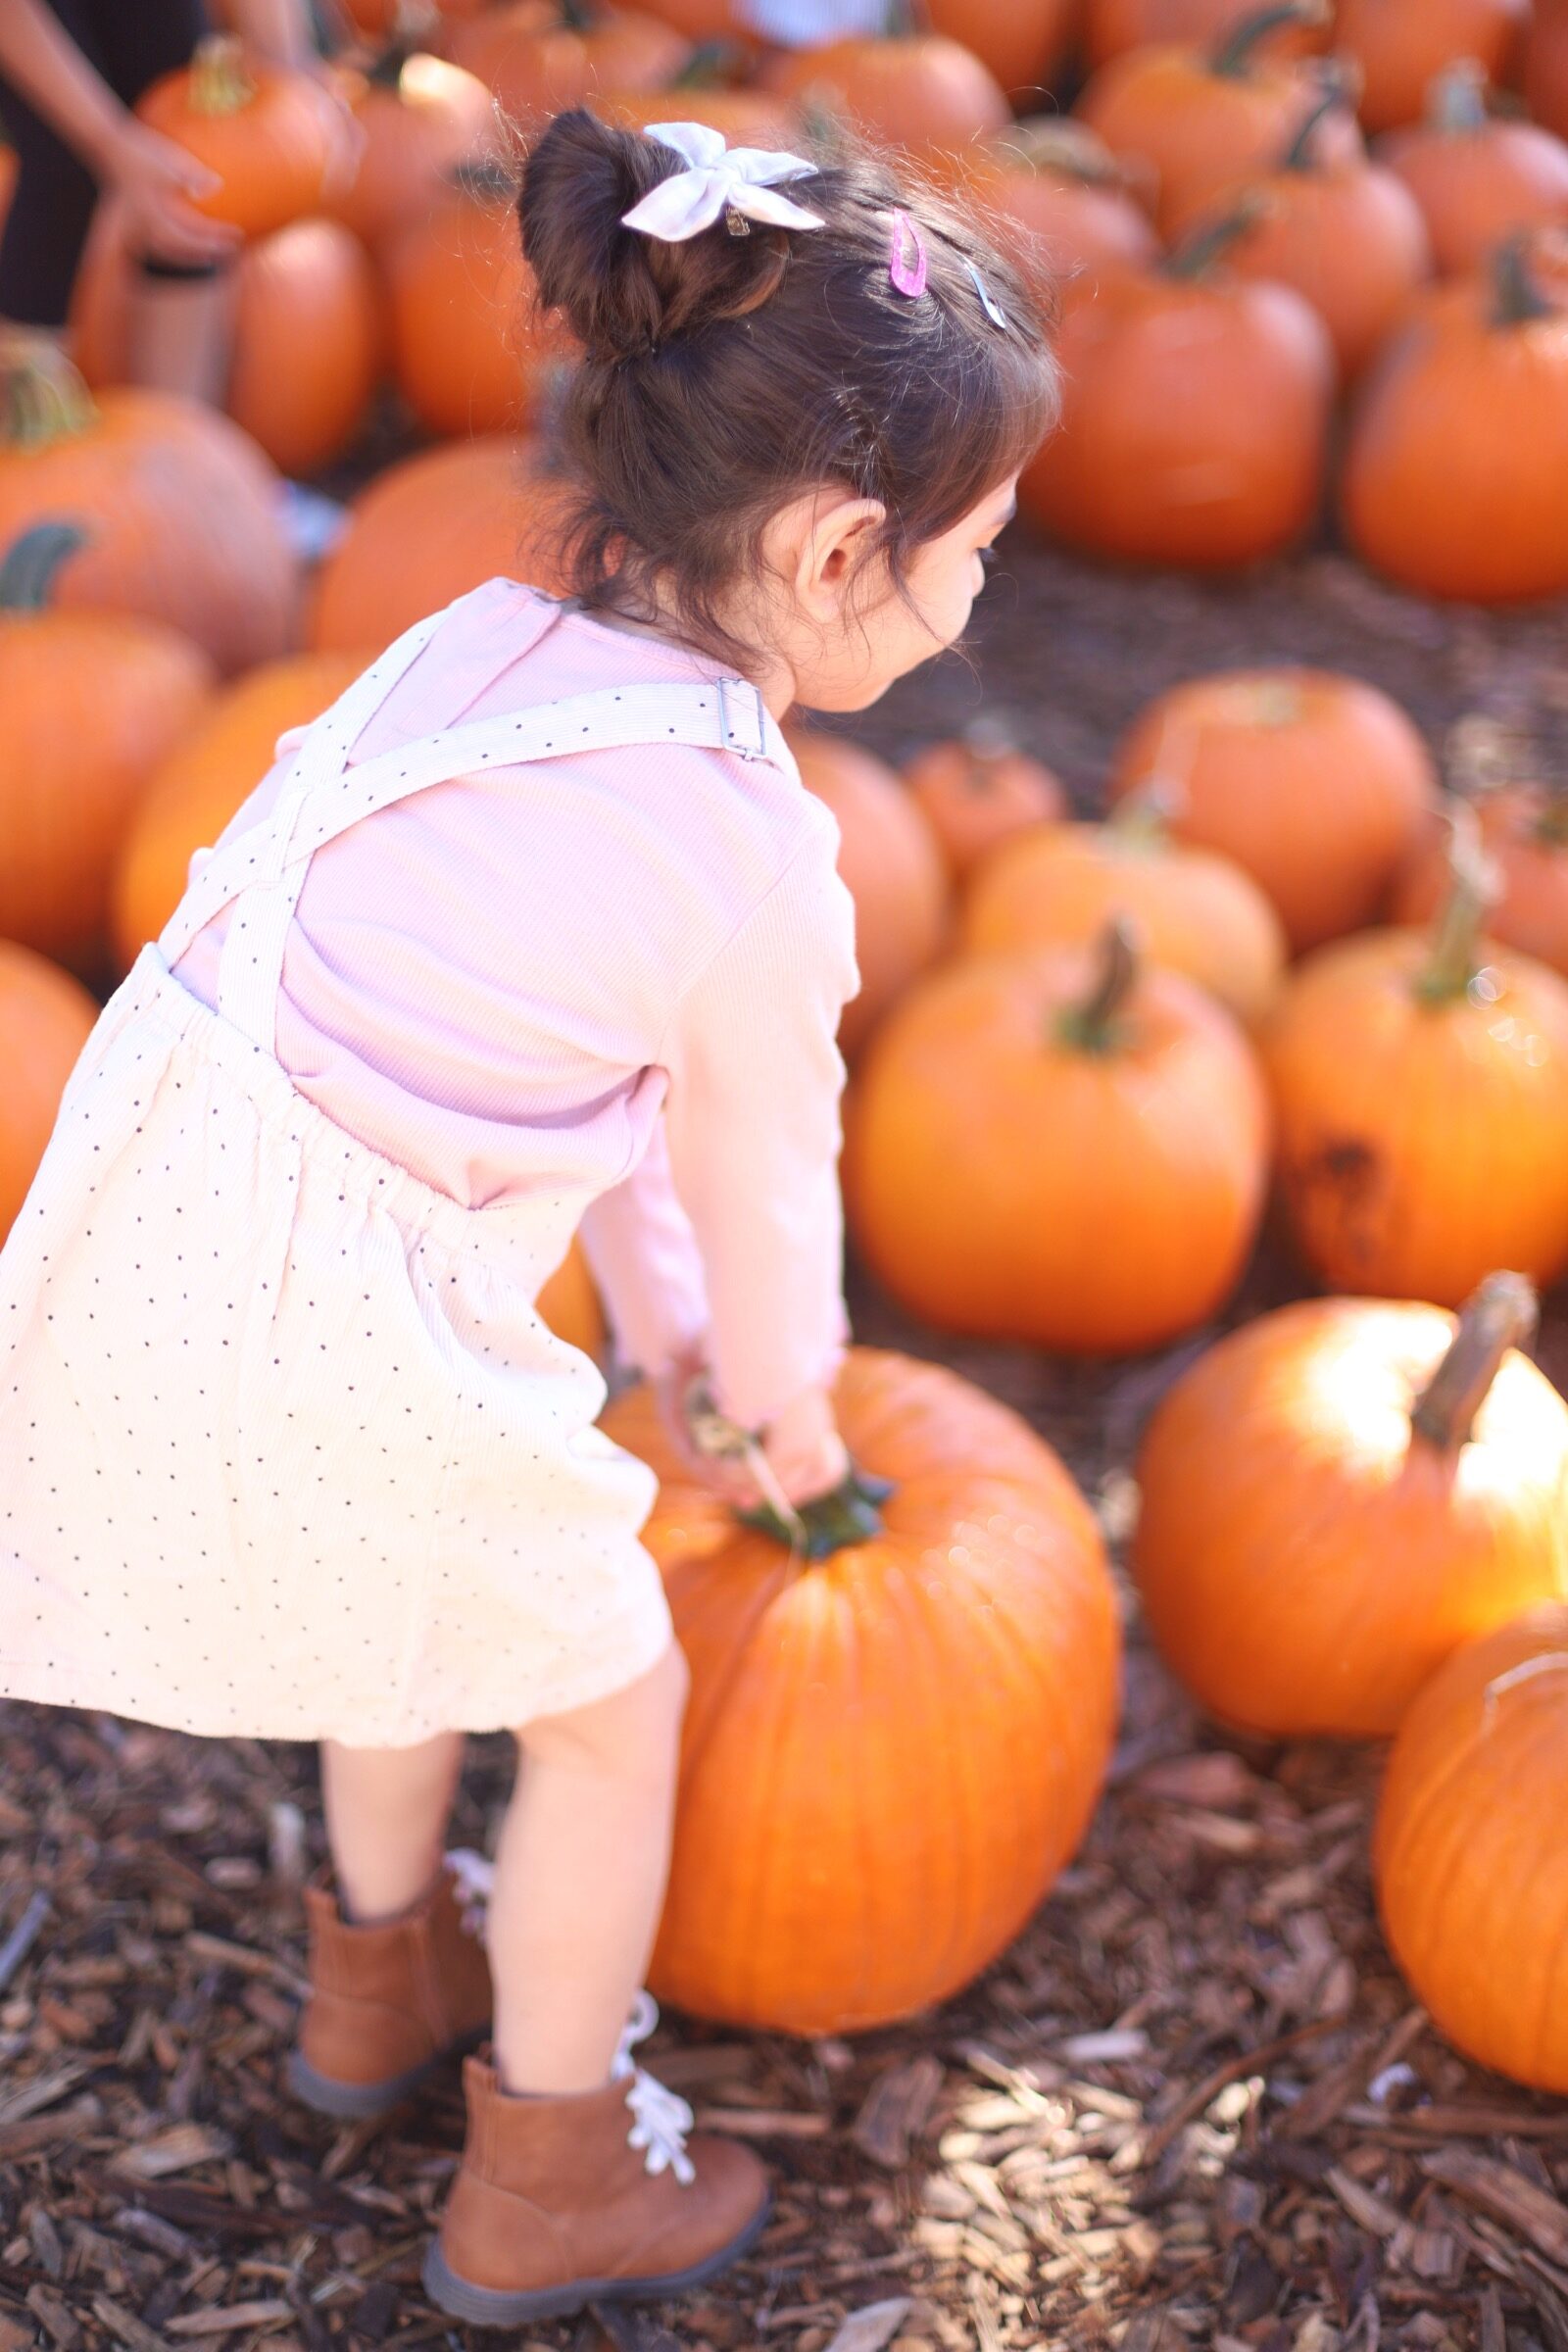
{"x": 503, "y": 981}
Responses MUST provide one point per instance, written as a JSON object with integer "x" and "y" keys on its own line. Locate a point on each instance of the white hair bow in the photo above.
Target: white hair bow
{"x": 737, "y": 180}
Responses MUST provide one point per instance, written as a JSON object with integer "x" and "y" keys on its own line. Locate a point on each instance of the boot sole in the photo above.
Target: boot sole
{"x": 494, "y": 2307}
{"x": 358, "y": 2102}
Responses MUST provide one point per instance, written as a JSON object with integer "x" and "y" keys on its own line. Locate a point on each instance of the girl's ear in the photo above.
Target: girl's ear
{"x": 832, "y": 537}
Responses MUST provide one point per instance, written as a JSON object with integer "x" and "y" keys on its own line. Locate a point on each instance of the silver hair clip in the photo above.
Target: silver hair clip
{"x": 988, "y": 301}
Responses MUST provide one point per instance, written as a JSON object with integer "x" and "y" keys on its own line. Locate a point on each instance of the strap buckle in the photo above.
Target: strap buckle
{"x": 742, "y": 720}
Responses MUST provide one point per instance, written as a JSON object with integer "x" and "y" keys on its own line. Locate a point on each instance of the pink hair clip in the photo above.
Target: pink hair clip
{"x": 906, "y": 269}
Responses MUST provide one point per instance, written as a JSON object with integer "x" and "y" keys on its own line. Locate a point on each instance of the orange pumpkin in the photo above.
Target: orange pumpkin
{"x": 471, "y": 352}
{"x": 427, "y": 530}
{"x": 895, "y": 1742}
{"x": 1401, "y": 46}
{"x": 1113, "y": 27}
{"x": 1058, "y": 1149}
{"x": 1021, "y": 42}
{"x": 308, "y": 334}
{"x": 45, "y": 1019}
{"x": 1468, "y": 1855}
{"x": 570, "y": 1304}
{"x": 920, "y": 91}
{"x": 1194, "y": 414}
{"x": 1337, "y": 1496}
{"x": 747, "y": 118}
{"x": 92, "y": 701}
{"x": 178, "y": 508}
{"x": 1545, "y": 65}
{"x": 1071, "y": 197}
{"x": 201, "y": 784}
{"x": 1524, "y": 831}
{"x": 1315, "y": 784}
{"x": 539, "y": 57}
{"x": 1349, "y": 236}
{"x": 1455, "y": 479}
{"x": 389, "y": 19}
{"x": 422, "y": 116}
{"x": 981, "y": 791}
{"x": 1204, "y": 118}
{"x": 272, "y": 134}
{"x": 891, "y": 867}
{"x": 1477, "y": 177}
{"x": 1189, "y": 910}
{"x": 1420, "y": 1089}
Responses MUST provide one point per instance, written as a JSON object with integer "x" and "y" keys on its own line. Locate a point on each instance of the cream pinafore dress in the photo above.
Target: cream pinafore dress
{"x": 285, "y": 1449}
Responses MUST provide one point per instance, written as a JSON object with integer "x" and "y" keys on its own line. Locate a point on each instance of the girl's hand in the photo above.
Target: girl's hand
{"x": 802, "y": 1447}
{"x": 154, "y": 179}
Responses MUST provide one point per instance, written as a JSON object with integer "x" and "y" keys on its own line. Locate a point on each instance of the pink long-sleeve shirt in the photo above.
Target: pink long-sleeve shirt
{"x": 620, "y": 972}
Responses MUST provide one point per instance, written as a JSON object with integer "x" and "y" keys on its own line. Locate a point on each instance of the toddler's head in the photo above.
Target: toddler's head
{"x": 786, "y": 453}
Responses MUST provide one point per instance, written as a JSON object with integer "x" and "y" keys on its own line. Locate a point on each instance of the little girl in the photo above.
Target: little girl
{"x": 535, "y": 932}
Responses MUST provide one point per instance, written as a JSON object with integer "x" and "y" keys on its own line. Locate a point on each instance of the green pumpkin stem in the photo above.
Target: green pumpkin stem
{"x": 849, "y": 1513}
{"x": 485, "y": 180}
{"x": 1142, "y": 817}
{"x": 1056, "y": 144}
{"x": 1196, "y": 254}
{"x": 712, "y": 66}
{"x": 221, "y": 81}
{"x": 1331, "y": 98}
{"x": 1456, "y": 98}
{"x": 1232, "y": 60}
{"x": 1516, "y": 298}
{"x": 1502, "y": 1314}
{"x": 33, "y": 562}
{"x": 42, "y": 399}
{"x": 1096, "y": 1026}
{"x": 1455, "y": 958}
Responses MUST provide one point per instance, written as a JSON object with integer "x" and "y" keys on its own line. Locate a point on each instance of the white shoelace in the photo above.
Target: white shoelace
{"x": 660, "y": 2120}
{"x": 475, "y": 1876}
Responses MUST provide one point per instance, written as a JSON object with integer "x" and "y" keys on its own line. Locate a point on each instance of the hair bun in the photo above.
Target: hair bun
{"x": 624, "y": 293}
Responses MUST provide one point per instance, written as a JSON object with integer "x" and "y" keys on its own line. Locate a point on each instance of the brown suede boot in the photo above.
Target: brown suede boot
{"x": 388, "y": 2002}
{"x": 593, "y": 2198}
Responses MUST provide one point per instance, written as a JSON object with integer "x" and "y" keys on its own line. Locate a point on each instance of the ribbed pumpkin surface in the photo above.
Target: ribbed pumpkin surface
{"x": 1469, "y": 1856}
{"x": 1306, "y": 1561}
{"x": 890, "y": 1753}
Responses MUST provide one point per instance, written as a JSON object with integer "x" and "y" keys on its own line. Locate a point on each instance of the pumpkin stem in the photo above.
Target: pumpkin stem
{"x": 1456, "y": 98}
{"x": 1054, "y": 143}
{"x": 1095, "y": 1026}
{"x": 221, "y": 81}
{"x": 1516, "y": 298}
{"x": 711, "y": 64}
{"x": 1333, "y": 94}
{"x": 1550, "y": 827}
{"x": 849, "y": 1513}
{"x": 1198, "y": 252}
{"x": 43, "y": 399}
{"x": 1232, "y": 58}
{"x": 1473, "y": 888}
{"x": 487, "y": 179}
{"x": 28, "y": 575}
{"x": 1142, "y": 817}
{"x": 1502, "y": 1314}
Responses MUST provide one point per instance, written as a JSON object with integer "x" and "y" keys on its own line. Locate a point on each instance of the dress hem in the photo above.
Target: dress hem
{"x": 637, "y": 1658}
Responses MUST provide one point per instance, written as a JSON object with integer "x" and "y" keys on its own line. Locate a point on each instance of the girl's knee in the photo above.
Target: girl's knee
{"x": 627, "y": 1729}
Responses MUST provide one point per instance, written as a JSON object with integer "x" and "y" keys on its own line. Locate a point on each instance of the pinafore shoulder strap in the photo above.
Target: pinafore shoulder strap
{"x": 263, "y": 869}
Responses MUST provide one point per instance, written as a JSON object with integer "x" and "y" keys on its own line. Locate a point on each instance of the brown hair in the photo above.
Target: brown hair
{"x": 725, "y": 375}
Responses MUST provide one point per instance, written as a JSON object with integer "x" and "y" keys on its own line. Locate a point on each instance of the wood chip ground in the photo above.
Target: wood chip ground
{"x": 1192, "y": 2105}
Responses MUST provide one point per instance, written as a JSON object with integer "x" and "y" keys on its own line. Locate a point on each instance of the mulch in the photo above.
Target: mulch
{"x": 1192, "y": 2105}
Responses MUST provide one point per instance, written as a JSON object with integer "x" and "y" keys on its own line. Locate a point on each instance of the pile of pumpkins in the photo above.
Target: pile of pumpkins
{"x": 1081, "y": 1055}
{"x": 1228, "y": 256}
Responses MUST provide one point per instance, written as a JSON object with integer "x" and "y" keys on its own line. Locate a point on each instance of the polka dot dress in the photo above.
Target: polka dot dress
{"x": 285, "y": 1449}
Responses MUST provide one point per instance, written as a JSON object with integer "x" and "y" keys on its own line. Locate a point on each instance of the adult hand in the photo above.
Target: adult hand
{"x": 157, "y": 180}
